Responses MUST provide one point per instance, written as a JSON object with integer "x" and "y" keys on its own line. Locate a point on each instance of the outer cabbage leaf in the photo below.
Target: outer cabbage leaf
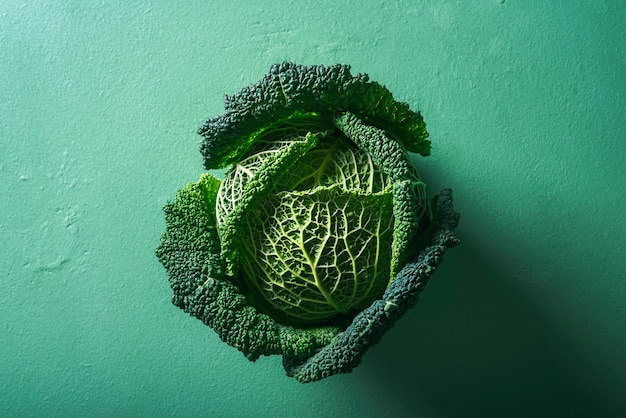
{"x": 290, "y": 88}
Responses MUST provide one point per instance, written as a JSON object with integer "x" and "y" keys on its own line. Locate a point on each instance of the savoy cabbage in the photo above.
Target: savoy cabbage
{"x": 321, "y": 235}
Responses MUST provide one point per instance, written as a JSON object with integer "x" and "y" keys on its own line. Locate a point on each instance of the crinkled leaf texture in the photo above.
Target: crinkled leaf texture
{"x": 316, "y": 254}
{"x": 321, "y": 234}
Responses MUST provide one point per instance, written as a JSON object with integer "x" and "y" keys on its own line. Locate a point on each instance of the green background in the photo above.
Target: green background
{"x": 525, "y": 103}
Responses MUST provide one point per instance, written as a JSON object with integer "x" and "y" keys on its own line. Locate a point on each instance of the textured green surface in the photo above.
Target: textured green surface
{"x": 524, "y": 105}
{"x": 310, "y": 268}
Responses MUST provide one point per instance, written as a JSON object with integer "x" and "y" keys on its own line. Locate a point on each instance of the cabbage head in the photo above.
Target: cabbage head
{"x": 320, "y": 235}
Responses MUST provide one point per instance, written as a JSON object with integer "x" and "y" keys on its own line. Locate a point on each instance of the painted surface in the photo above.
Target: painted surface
{"x": 525, "y": 104}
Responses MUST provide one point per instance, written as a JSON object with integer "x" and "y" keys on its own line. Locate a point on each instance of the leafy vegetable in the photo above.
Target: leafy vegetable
{"x": 321, "y": 234}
